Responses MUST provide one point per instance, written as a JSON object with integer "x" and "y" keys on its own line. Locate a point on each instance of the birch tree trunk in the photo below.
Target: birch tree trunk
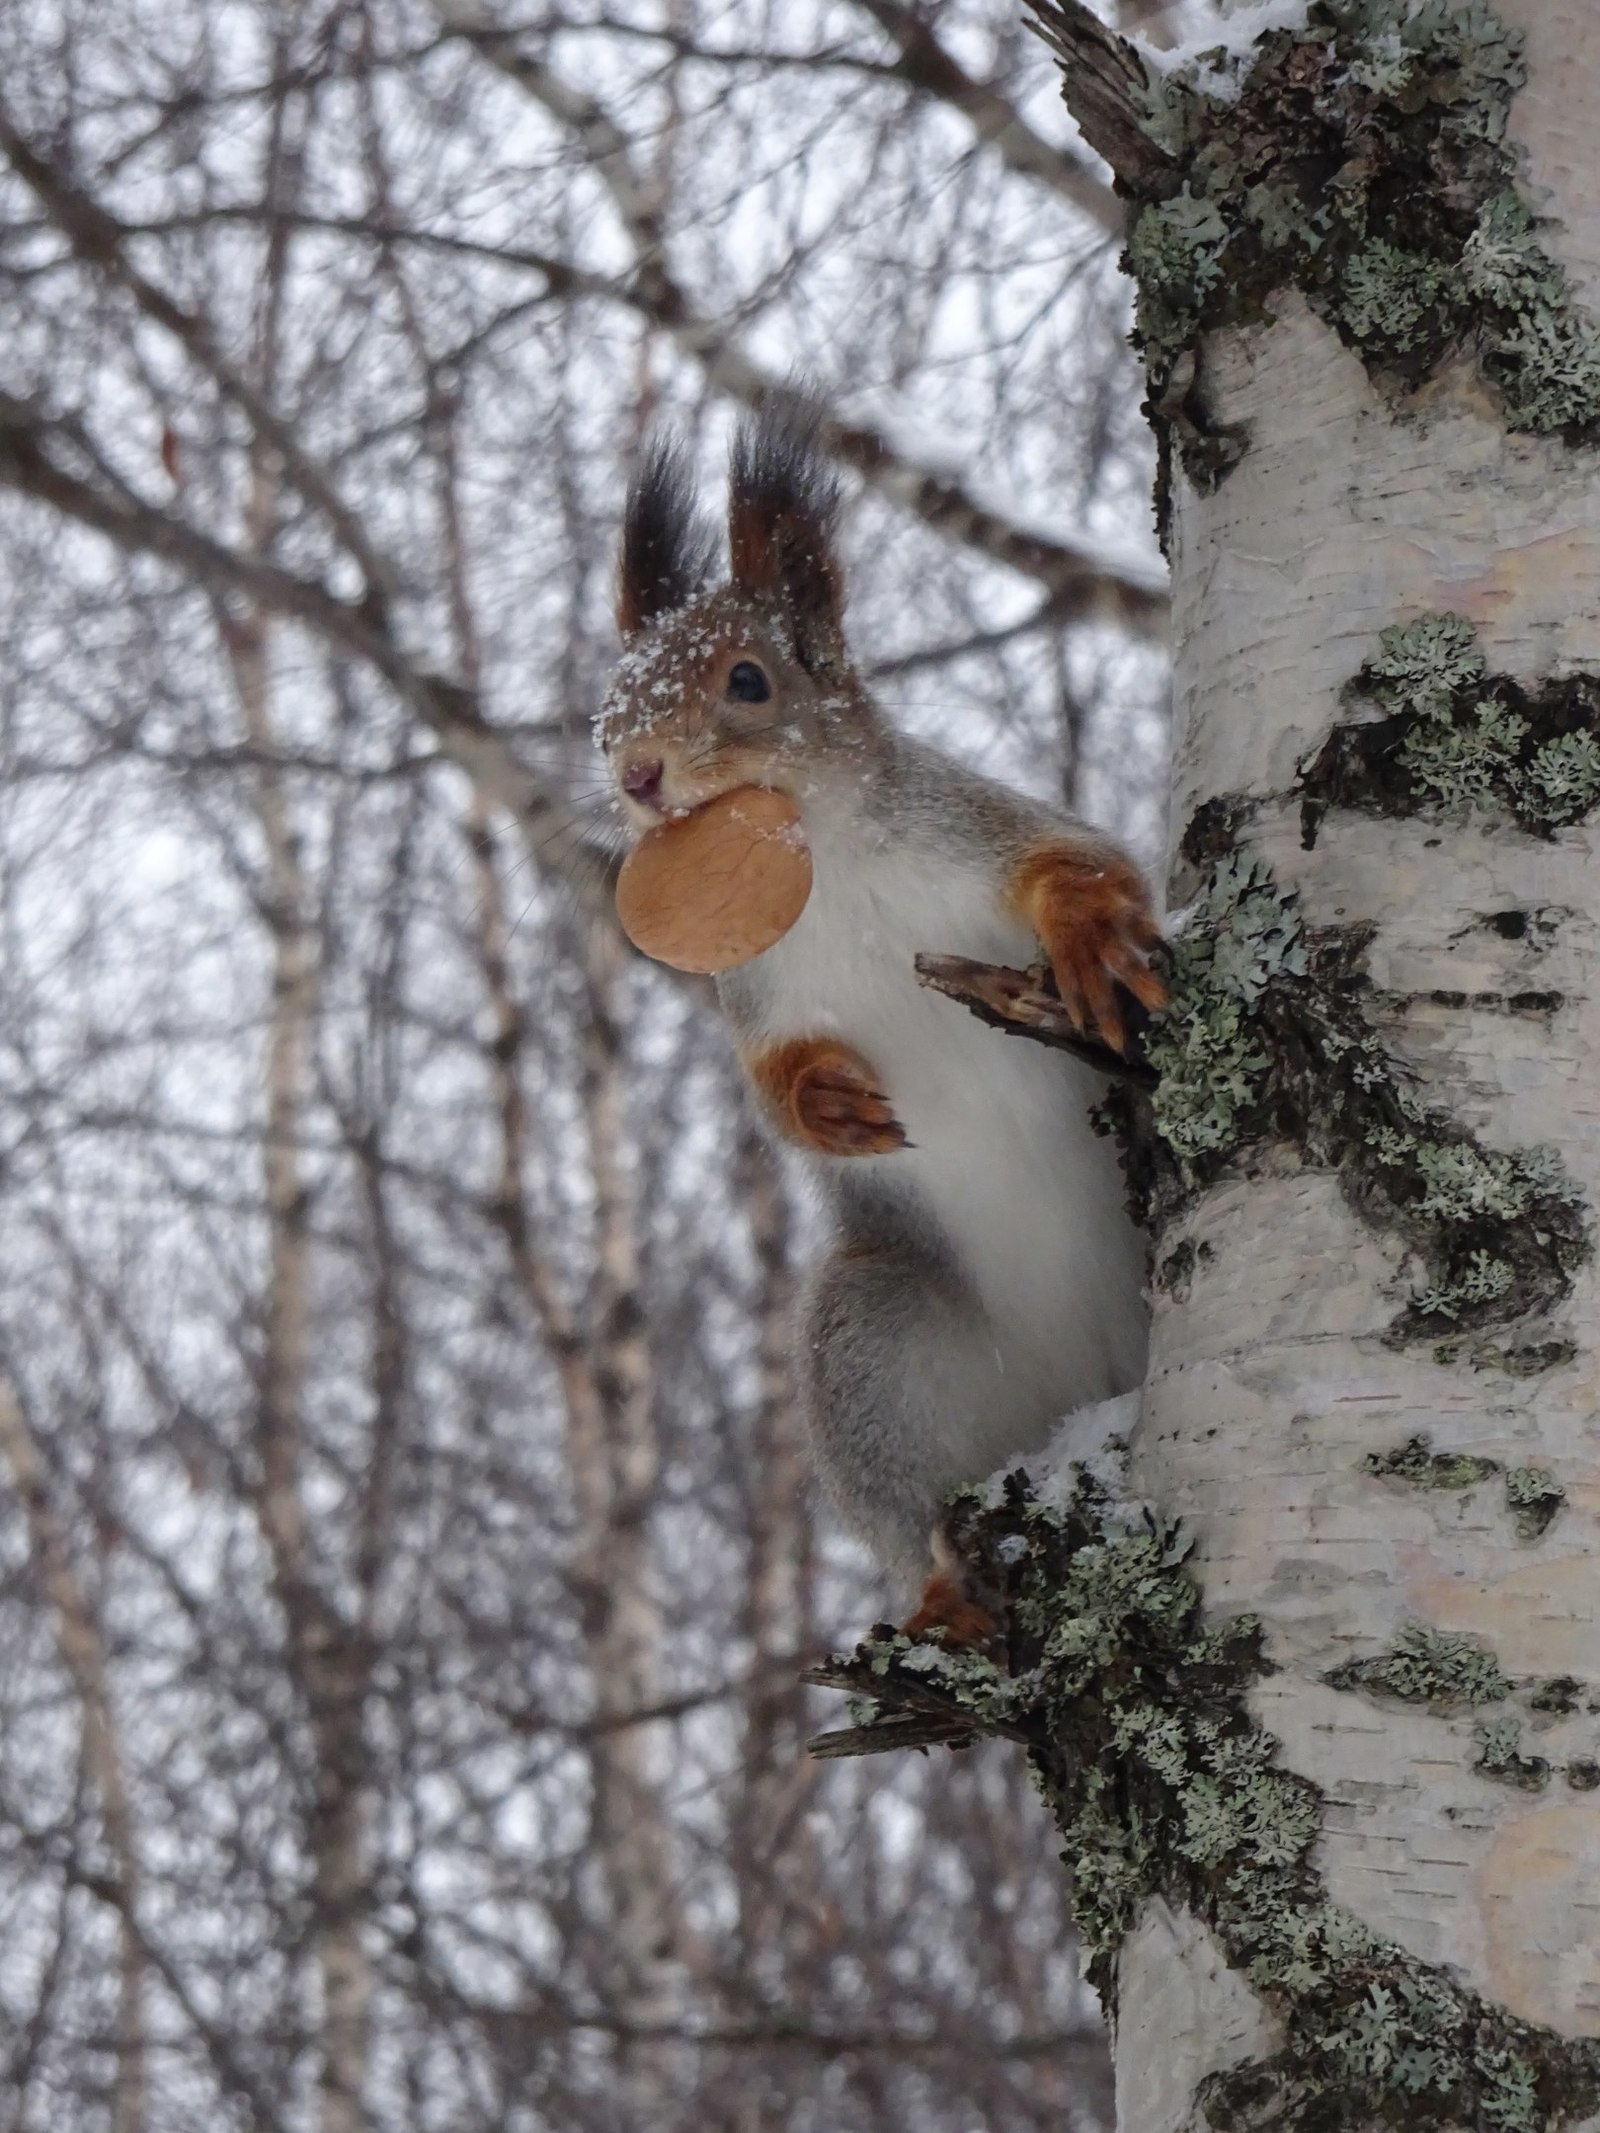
{"x": 330, "y": 1656}
{"x": 1458, "y": 1814}
{"x": 82, "y": 1646}
{"x": 1329, "y": 1786}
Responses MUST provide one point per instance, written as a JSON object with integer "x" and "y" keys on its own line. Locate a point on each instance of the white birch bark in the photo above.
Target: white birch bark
{"x": 329, "y": 1658}
{"x": 330, "y": 1654}
{"x": 83, "y": 1653}
{"x": 770, "y": 1823}
{"x": 1271, "y": 1382}
{"x": 614, "y": 1456}
{"x": 599, "y": 1349}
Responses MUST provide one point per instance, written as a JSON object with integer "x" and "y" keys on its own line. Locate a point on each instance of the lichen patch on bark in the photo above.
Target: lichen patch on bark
{"x": 1437, "y": 1667}
{"x": 1419, "y": 1466}
{"x": 1533, "y": 1495}
{"x": 1362, "y": 159}
{"x": 1500, "y": 1757}
{"x": 1453, "y": 737}
{"x": 1134, "y": 1711}
{"x": 1268, "y": 1041}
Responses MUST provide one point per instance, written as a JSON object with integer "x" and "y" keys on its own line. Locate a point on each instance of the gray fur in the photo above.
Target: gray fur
{"x": 888, "y": 1336}
{"x": 912, "y": 1388}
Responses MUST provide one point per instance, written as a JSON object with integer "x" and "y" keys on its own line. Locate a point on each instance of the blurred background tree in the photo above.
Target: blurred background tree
{"x": 405, "y": 1549}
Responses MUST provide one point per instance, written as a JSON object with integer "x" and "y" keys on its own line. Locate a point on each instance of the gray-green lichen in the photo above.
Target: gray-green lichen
{"x": 1135, "y": 1715}
{"x": 1454, "y": 738}
{"x": 1438, "y": 1667}
{"x": 1267, "y": 1041}
{"x": 1361, "y": 158}
{"x": 1516, "y": 1359}
{"x": 1533, "y": 1494}
{"x": 1175, "y": 1273}
{"x": 1559, "y": 1695}
{"x": 1535, "y": 1497}
{"x": 1419, "y": 1466}
{"x": 1243, "y": 932}
{"x": 1500, "y": 1756}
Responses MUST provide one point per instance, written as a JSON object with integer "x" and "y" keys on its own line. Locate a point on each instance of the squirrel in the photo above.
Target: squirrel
{"x": 984, "y": 1277}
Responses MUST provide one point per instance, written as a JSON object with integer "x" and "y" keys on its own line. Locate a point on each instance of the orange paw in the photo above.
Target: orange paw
{"x": 1091, "y": 909}
{"x": 827, "y": 1098}
{"x": 947, "y": 1607}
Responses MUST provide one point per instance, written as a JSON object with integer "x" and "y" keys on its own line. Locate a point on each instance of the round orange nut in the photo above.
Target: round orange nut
{"x": 715, "y": 888}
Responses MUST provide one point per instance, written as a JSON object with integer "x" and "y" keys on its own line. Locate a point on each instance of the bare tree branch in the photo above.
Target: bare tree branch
{"x": 400, "y": 1274}
{"x": 1081, "y": 585}
{"x": 32, "y": 463}
{"x": 99, "y": 239}
{"x": 929, "y": 65}
{"x": 1025, "y": 1003}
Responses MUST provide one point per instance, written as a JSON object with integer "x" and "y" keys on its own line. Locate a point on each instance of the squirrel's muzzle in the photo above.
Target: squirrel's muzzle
{"x": 641, "y": 780}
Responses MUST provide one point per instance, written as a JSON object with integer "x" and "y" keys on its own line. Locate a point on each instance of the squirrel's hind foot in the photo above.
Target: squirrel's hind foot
{"x": 954, "y": 1610}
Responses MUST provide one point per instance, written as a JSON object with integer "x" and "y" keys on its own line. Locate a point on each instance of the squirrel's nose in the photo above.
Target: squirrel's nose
{"x": 642, "y": 781}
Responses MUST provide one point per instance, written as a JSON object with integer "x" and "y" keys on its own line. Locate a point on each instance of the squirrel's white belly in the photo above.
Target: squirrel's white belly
{"x": 1003, "y": 1157}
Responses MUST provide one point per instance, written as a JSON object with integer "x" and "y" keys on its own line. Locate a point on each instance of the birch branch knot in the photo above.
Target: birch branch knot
{"x": 1106, "y": 85}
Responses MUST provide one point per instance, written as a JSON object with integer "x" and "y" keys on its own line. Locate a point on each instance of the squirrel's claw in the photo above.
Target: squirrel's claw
{"x": 1098, "y": 929}
{"x": 845, "y": 1114}
{"x": 826, "y": 1097}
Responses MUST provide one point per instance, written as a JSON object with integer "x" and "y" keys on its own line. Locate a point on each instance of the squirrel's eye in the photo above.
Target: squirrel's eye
{"x": 747, "y": 684}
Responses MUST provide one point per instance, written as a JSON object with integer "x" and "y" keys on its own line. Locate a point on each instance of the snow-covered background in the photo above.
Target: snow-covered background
{"x": 405, "y": 1555}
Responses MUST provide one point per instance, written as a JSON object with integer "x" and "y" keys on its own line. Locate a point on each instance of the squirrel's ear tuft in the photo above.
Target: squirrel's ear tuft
{"x": 782, "y": 510}
{"x": 666, "y": 551}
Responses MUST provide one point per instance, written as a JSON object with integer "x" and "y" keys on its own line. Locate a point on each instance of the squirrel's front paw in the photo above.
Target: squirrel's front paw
{"x": 841, "y": 1111}
{"x": 827, "y": 1098}
{"x": 1092, "y": 912}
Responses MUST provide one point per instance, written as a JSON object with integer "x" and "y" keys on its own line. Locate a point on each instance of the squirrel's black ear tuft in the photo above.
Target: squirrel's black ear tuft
{"x": 666, "y": 550}
{"x": 782, "y": 510}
